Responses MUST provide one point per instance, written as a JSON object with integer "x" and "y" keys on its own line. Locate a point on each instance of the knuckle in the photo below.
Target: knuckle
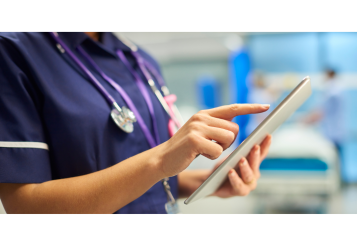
{"x": 234, "y": 107}
{"x": 200, "y": 116}
{"x": 248, "y": 178}
{"x": 194, "y": 126}
{"x": 194, "y": 117}
{"x": 201, "y": 112}
{"x": 193, "y": 139}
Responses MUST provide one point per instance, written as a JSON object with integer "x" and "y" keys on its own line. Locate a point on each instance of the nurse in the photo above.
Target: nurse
{"x": 84, "y": 129}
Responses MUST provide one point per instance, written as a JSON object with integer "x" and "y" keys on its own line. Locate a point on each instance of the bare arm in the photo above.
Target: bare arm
{"x": 104, "y": 191}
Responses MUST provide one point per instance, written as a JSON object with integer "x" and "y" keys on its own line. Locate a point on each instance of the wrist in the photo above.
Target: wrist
{"x": 155, "y": 162}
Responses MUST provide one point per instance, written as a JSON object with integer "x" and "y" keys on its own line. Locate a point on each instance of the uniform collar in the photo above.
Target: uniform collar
{"x": 73, "y": 39}
{"x": 109, "y": 42}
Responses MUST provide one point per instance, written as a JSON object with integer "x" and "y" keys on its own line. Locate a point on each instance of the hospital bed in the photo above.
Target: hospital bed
{"x": 300, "y": 172}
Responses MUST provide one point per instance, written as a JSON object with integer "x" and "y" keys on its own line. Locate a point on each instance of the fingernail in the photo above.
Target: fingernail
{"x": 243, "y": 161}
{"x": 257, "y": 149}
{"x": 266, "y": 105}
{"x": 230, "y": 173}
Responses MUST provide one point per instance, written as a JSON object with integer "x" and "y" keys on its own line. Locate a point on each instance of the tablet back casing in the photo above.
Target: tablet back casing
{"x": 280, "y": 114}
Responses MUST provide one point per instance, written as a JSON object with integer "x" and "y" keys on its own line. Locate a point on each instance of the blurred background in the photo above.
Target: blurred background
{"x": 312, "y": 164}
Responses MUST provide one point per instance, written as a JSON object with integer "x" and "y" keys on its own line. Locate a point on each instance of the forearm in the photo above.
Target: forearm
{"x": 190, "y": 180}
{"x": 104, "y": 191}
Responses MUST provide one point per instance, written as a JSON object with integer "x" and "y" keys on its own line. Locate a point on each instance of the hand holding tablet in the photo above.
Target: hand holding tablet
{"x": 280, "y": 114}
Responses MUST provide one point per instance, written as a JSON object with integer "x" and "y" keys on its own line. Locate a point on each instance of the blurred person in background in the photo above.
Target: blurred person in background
{"x": 60, "y": 150}
{"x": 330, "y": 111}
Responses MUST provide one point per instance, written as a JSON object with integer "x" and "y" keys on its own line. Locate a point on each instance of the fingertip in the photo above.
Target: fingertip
{"x": 265, "y": 106}
{"x": 235, "y": 181}
{"x": 243, "y": 161}
{"x": 233, "y": 178}
{"x": 259, "y": 108}
{"x": 254, "y": 150}
{"x": 231, "y": 173}
{"x": 269, "y": 139}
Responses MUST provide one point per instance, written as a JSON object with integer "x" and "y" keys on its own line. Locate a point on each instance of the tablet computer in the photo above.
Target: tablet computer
{"x": 280, "y": 114}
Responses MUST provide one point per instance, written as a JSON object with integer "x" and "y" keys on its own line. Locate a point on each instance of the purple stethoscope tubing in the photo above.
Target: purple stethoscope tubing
{"x": 143, "y": 91}
{"x": 151, "y": 82}
{"x": 158, "y": 77}
{"x": 164, "y": 89}
{"x": 127, "y": 100}
{"x": 63, "y": 48}
{"x": 122, "y": 117}
{"x": 100, "y": 87}
{"x": 142, "y": 63}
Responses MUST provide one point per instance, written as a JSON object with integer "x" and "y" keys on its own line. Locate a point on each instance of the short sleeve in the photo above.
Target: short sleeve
{"x": 24, "y": 154}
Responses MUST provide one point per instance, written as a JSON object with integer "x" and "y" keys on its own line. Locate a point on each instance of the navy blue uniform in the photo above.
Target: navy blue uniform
{"x": 45, "y": 98}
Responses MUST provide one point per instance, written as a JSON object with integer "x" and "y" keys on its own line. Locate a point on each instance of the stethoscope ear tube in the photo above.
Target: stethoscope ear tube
{"x": 177, "y": 114}
{"x": 122, "y": 117}
{"x": 176, "y": 118}
{"x": 163, "y": 102}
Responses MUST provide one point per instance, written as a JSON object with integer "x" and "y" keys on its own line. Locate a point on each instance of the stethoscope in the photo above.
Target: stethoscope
{"x": 123, "y": 116}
